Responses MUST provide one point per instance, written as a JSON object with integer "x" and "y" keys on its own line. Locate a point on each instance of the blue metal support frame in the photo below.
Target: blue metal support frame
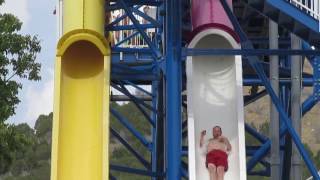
{"x": 295, "y": 12}
{"x": 112, "y": 177}
{"x": 135, "y": 2}
{"x": 131, "y": 128}
{"x": 136, "y": 101}
{"x": 285, "y": 81}
{"x": 248, "y": 52}
{"x": 141, "y": 65}
{"x": 134, "y": 171}
{"x": 154, "y": 90}
{"x": 248, "y": 99}
{"x": 131, "y": 27}
{"x": 139, "y": 88}
{"x": 125, "y": 39}
{"x": 146, "y": 17}
{"x": 144, "y": 162}
{"x": 308, "y": 104}
{"x": 134, "y": 67}
{"x": 126, "y": 91}
{"x": 254, "y": 133}
{"x": 139, "y": 27}
{"x": 316, "y": 75}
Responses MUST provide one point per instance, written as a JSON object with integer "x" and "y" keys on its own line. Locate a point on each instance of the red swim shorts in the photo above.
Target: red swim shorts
{"x": 218, "y": 158}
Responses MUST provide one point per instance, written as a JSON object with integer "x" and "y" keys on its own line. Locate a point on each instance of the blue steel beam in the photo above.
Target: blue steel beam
{"x": 260, "y": 137}
{"x": 131, "y": 128}
{"x": 146, "y": 17}
{"x": 131, "y": 3}
{"x": 112, "y": 177}
{"x": 296, "y": 13}
{"x": 252, "y": 98}
{"x": 126, "y": 39}
{"x": 136, "y": 101}
{"x": 132, "y": 27}
{"x": 260, "y": 173}
{"x": 136, "y": 69}
{"x": 134, "y": 59}
{"x": 316, "y": 74}
{"x": 154, "y": 152}
{"x": 257, "y": 81}
{"x": 134, "y": 171}
{"x": 308, "y": 104}
{"x": 144, "y": 162}
{"x": 133, "y": 50}
{"x": 155, "y": 51}
{"x": 184, "y": 173}
{"x": 173, "y": 89}
{"x": 136, "y": 66}
{"x": 139, "y": 88}
{"x": 254, "y": 62}
{"x": 138, "y": 77}
{"x": 247, "y": 52}
{"x": 315, "y": 62}
{"x": 115, "y": 22}
{"x": 132, "y": 72}
{"x": 264, "y": 148}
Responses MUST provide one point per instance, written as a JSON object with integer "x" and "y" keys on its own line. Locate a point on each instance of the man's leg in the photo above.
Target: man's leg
{"x": 213, "y": 171}
{"x": 220, "y": 172}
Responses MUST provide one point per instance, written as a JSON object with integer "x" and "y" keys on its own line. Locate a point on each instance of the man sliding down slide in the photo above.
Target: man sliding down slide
{"x": 218, "y": 148}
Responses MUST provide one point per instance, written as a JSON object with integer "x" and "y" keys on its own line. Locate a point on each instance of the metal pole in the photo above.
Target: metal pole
{"x": 161, "y": 146}
{"x": 274, "y": 115}
{"x": 296, "y": 106}
{"x": 154, "y": 153}
{"x": 173, "y": 89}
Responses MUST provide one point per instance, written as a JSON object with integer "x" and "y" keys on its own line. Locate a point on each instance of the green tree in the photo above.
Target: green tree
{"x": 31, "y": 161}
{"x": 43, "y": 127}
{"x": 17, "y": 61}
{"x": 10, "y": 143}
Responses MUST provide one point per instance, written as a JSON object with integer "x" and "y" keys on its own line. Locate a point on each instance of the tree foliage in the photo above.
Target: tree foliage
{"x": 17, "y": 61}
{"x": 30, "y": 158}
{"x": 11, "y": 142}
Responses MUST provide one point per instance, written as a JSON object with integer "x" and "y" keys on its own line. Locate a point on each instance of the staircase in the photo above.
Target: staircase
{"x": 300, "y": 17}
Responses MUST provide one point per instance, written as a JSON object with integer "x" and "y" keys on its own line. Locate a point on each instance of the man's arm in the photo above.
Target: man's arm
{"x": 229, "y": 147}
{"x": 203, "y": 133}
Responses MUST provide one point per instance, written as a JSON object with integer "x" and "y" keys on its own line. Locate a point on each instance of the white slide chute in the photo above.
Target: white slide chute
{"x": 214, "y": 94}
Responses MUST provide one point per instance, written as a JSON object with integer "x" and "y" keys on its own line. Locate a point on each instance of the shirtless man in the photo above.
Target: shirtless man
{"x": 218, "y": 148}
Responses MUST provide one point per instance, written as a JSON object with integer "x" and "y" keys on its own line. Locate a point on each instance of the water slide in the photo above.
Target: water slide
{"x": 81, "y": 96}
{"x": 214, "y": 90}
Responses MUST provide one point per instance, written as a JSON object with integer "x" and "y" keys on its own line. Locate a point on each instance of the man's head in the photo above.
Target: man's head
{"x": 216, "y": 131}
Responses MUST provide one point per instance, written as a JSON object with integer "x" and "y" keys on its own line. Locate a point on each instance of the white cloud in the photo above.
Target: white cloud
{"x": 17, "y": 7}
{"x": 39, "y": 100}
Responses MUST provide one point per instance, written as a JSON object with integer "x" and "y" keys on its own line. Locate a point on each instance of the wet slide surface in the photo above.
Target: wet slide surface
{"x": 214, "y": 90}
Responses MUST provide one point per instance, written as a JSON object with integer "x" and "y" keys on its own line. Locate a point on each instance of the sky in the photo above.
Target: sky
{"x": 38, "y": 19}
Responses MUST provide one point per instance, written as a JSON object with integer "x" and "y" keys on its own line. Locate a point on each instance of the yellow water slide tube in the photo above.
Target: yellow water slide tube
{"x": 81, "y": 95}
